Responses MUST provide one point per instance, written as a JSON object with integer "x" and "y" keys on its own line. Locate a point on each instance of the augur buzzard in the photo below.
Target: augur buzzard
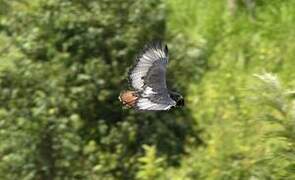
{"x": 148, "y": 80}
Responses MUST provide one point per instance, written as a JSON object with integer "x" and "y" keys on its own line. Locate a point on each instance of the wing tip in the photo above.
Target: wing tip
{"x": 157, "y": 44}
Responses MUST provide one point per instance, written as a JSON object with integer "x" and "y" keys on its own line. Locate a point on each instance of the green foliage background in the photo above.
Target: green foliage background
{"x": 64, "y": 62}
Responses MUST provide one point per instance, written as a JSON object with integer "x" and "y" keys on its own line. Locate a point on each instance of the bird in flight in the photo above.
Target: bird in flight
{"x": 148, "y": 81}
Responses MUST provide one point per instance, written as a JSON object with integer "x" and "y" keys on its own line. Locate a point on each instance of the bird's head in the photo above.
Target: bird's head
{"x": 178, "y": 98}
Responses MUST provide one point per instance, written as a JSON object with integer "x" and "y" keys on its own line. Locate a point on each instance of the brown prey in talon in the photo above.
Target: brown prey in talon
{"x": 128, "y": 98}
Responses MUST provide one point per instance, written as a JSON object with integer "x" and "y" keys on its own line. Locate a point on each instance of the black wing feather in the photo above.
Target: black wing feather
{"x": 148, "y": 76}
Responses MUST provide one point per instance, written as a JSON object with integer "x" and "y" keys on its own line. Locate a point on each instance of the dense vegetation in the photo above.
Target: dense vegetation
{"x": 64, "y": 62}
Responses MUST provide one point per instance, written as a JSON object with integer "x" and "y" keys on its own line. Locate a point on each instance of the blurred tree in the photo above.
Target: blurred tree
{"x": 281, "y": 115}
{"x": 60, "y": 117}
{"x": 234, "y": 5}
{"x": 237, "y": 144}
{"x": 151, "y": 166}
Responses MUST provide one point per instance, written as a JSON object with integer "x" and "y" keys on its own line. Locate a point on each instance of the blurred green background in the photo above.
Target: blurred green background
{"x": 64, "y": 62}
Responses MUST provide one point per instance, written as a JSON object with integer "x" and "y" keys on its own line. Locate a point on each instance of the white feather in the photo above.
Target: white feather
{"x": 146, "y": 104}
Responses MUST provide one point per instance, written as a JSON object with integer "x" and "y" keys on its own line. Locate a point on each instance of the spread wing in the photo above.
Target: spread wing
{"x": 151, "y": 53}
{"x": 148, "y": 77}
